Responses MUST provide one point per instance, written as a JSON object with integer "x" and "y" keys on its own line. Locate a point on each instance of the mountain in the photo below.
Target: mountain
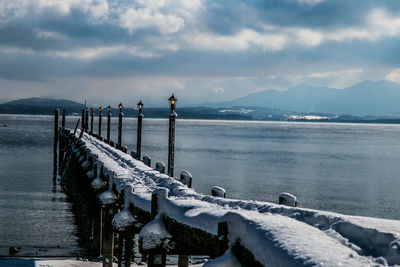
{"x": 376, "y": 98}
{"x": 36, "y": 105}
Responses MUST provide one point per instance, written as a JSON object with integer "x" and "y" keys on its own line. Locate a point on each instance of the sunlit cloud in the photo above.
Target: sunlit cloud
{"x": 394, "y": 76}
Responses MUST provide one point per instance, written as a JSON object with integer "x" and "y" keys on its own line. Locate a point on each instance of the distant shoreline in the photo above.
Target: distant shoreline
{"x": 199, "y": 117}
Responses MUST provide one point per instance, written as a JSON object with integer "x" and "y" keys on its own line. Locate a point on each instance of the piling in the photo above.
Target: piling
{"x": 55, "y": 142}
{"x": 63, "y": 118}
{"x": 147, "y": 160}
{"x": 160, "y": 166}
{"x": 83, "y": 119}
{"x": 76, "y": 126}
{"x": 156, "y": 260}
{"x": 56, "y": 115}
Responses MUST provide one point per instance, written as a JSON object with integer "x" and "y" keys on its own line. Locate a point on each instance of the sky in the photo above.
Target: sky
{"x": 201, "y": 50}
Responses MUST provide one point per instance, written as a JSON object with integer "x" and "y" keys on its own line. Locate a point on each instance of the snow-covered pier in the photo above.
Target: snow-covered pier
{"x": 172, "y": 219}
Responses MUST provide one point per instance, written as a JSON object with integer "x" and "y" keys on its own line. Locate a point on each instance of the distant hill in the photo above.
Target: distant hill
{"x": 36, "y": 105}
{"x": 381, "y": 98}
{"x": 46, "y": 106}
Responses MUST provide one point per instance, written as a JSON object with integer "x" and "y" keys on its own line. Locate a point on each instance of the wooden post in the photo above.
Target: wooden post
{"x": 108, "y": 236}
{"x": 63, "y": 118}
{"x": 186, "y": 178}
{"x": 217, "y": 191}
{"x": 287, "y": 199}
{"x": 125, "y": 232}
{"x": 83, "y": 119}
{"x": 160, "y": 166}
{"x": 56, "y": 115}
{"x": 222, "y": 233}
{"x": 55, "y": 164}
{"x": 76, "y": 126}
{"x": 157, "y": 260}
{"x": 183, "y": 261}
{"x": 147, "y": 160}
{"x": 108, "y": 204}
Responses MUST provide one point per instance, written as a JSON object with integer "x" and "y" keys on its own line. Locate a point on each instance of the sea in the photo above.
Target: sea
{"x": 347, "y": 168}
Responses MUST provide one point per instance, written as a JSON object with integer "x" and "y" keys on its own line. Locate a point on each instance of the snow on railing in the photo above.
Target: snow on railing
{"x": 275, "y": 235}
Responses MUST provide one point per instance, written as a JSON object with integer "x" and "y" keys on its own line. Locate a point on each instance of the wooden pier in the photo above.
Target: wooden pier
{"x": 120, "y": 198}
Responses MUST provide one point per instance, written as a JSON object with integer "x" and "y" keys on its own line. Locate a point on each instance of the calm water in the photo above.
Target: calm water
{"x": 347, "y": 168}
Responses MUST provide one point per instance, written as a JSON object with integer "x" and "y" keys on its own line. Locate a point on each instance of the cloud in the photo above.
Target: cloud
{"x": 394, "y": 76}
{"x": 219, "y": 90}
{"x": 243, "y": 44}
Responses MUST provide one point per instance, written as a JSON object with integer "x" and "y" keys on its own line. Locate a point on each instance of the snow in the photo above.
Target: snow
{"x": 275, "y": 234}
{"x": 109, "y": 197}
{"x": 125, "y": 218}
{"x": 98, "y": 183}
{"x": 29, "y": 262}
{"x": 155, "y": 234}
{"x": 226, "y": 260}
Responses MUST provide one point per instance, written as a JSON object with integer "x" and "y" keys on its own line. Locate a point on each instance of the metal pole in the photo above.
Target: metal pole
{"x": 171, "y": 143}
{"x": 100, "y": 116}
{"x": 171, "y": 136}
{"x": 108, "y": 124}
{"x": 120, "y": 126}
{"x": 139, "y": 132}
{"x": 91, "y": 119}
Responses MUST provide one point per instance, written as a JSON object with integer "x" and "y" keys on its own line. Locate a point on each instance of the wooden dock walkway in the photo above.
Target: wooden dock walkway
{"x": 122, "y": 196}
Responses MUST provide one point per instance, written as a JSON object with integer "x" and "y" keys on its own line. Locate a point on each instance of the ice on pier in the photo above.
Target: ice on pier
{"x": 277, "y": 235}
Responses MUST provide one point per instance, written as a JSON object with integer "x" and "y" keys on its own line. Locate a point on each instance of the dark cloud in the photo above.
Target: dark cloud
{"x": 223, "y": 38}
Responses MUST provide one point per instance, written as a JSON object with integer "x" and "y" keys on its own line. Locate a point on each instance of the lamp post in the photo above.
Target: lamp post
{"x": 139, "y": 130}
{"x": 120, "y": 125}
{"x": 100, "y": 116}
{"x": 108, "y": 123}
{"x": 86, "y": 119}
{"x": 91, "y": 119}
{"x": 171, "y": 135}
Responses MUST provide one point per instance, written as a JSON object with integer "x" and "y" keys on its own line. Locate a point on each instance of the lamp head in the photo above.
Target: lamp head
{"x": 172, "y": 102}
